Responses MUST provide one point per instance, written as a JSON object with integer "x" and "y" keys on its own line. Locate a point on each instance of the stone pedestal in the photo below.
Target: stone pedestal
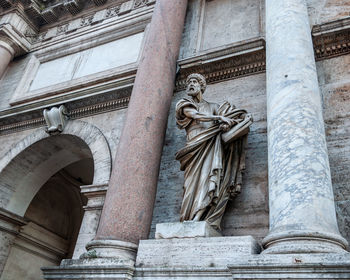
{"x": 191, "y": 258}
{"x": 302, "y": 211}
{"x": 187, "y": 229}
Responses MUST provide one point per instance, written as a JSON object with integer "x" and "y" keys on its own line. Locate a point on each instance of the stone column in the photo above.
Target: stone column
{"x": 7, "y": 52}
{"x": 302, "y": 211}
{"x": 127, "y": 212}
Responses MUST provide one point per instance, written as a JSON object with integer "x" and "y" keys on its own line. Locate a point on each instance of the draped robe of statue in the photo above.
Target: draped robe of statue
{"x": 213, "y": 160}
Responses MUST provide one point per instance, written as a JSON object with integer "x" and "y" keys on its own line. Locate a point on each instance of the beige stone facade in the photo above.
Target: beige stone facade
{"x": 119, "y": 67}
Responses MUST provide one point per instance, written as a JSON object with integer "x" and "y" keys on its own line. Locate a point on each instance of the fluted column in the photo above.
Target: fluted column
{"x": 127, "y": 212}
{"x": 302, "y": 210}
{"x": 7, "y": 52}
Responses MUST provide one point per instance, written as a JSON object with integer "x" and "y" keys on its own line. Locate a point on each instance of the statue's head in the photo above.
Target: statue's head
{"x": 195, "y": 84}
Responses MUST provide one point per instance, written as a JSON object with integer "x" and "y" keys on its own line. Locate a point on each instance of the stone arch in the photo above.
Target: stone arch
{"x": 33, "y": 160}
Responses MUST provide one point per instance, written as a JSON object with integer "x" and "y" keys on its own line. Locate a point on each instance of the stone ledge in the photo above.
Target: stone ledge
{"x": 192, "y": 273}
{"x": 194, "y": 252}
{"x": 291, "y": 266}
{"x": 96, "y": 268}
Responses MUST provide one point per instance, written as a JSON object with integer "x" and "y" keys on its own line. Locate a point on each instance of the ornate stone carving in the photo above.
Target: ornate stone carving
{"x": 331, "y": 39}
{"x": 55, "y": 119}
{"x": 62, "y": 28}
{"x": 85, "y": 21}
{"x": 112, "y": 11}
{"x": 213, "y": 158}
{"x": 229, "y": 63}
{"x": 140, "y": 3}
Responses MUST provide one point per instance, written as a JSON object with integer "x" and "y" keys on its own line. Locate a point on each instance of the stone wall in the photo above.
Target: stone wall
{"x": 321, "y": 11}
{"x": 210, "y": 26}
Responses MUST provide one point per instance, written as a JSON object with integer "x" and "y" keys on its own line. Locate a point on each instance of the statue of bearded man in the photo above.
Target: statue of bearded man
{"x": 213, "y": 158}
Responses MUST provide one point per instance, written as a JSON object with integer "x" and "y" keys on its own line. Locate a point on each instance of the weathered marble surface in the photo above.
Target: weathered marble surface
{"x": 292, "y": 267}
{"x": 334, "y": 78}
{"x": 321, "y": 11}
{"x": 88, "y": 62}
{"x": 300, "y": 188}
{"x": 5, "y": 58}
{"x": 210, "y": 24}
{"x": 248, "y": 213}
{"x": 11, "y": 78}
{"x": 221, "y": 28}
{"x": 194, "y": 252}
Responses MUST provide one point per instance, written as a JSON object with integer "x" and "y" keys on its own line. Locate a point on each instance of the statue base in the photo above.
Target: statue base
{"x": 187, "y": 229}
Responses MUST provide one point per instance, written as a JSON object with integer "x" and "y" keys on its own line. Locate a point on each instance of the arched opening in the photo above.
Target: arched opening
{"x": 40, "y": 187}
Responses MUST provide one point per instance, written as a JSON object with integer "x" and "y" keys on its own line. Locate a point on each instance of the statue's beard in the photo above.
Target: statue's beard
{"x": 192, "y": 91}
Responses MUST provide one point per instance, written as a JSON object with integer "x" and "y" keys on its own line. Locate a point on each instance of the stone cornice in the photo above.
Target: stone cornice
{"x": 331, "y": 39}
{"x": 230, "y": 62}
{"x": 77, "y": 108}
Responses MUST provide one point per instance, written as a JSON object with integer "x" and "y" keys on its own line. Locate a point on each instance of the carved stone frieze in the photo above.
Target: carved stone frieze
{"x": 85, "y": 21}
{"x": 229, "y": 63}
{"x": 113, "y": 11}
{"x": 62, "y": 28}
{"x": 41, "y": 12}
{"x": 331, "y": 39}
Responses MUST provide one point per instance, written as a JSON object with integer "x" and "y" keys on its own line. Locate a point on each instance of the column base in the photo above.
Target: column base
{"x": 116, "y": 249}
{"x": 303, "y": 242}
{"x": 292, "y": 267}
{"x": 87, "y": 269}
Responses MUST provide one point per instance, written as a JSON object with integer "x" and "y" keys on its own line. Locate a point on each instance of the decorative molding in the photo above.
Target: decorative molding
{"x": 92, "y": 105}
{"x": 331, "y": 39}
{"x": 231, "y": 62}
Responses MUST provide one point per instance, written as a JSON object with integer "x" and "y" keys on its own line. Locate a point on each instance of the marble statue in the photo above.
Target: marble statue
{"x": 213, "y": 158}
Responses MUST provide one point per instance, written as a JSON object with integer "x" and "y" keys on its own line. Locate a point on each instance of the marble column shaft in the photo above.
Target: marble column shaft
{"x": 128, "y": 208}
{"x": 302, "y": 210}
{"x": 6, "y": 55}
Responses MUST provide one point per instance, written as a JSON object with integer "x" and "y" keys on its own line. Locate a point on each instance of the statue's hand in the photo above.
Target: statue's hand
{"x": 227, "y": 121}
{"x": 224, "y": 127}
